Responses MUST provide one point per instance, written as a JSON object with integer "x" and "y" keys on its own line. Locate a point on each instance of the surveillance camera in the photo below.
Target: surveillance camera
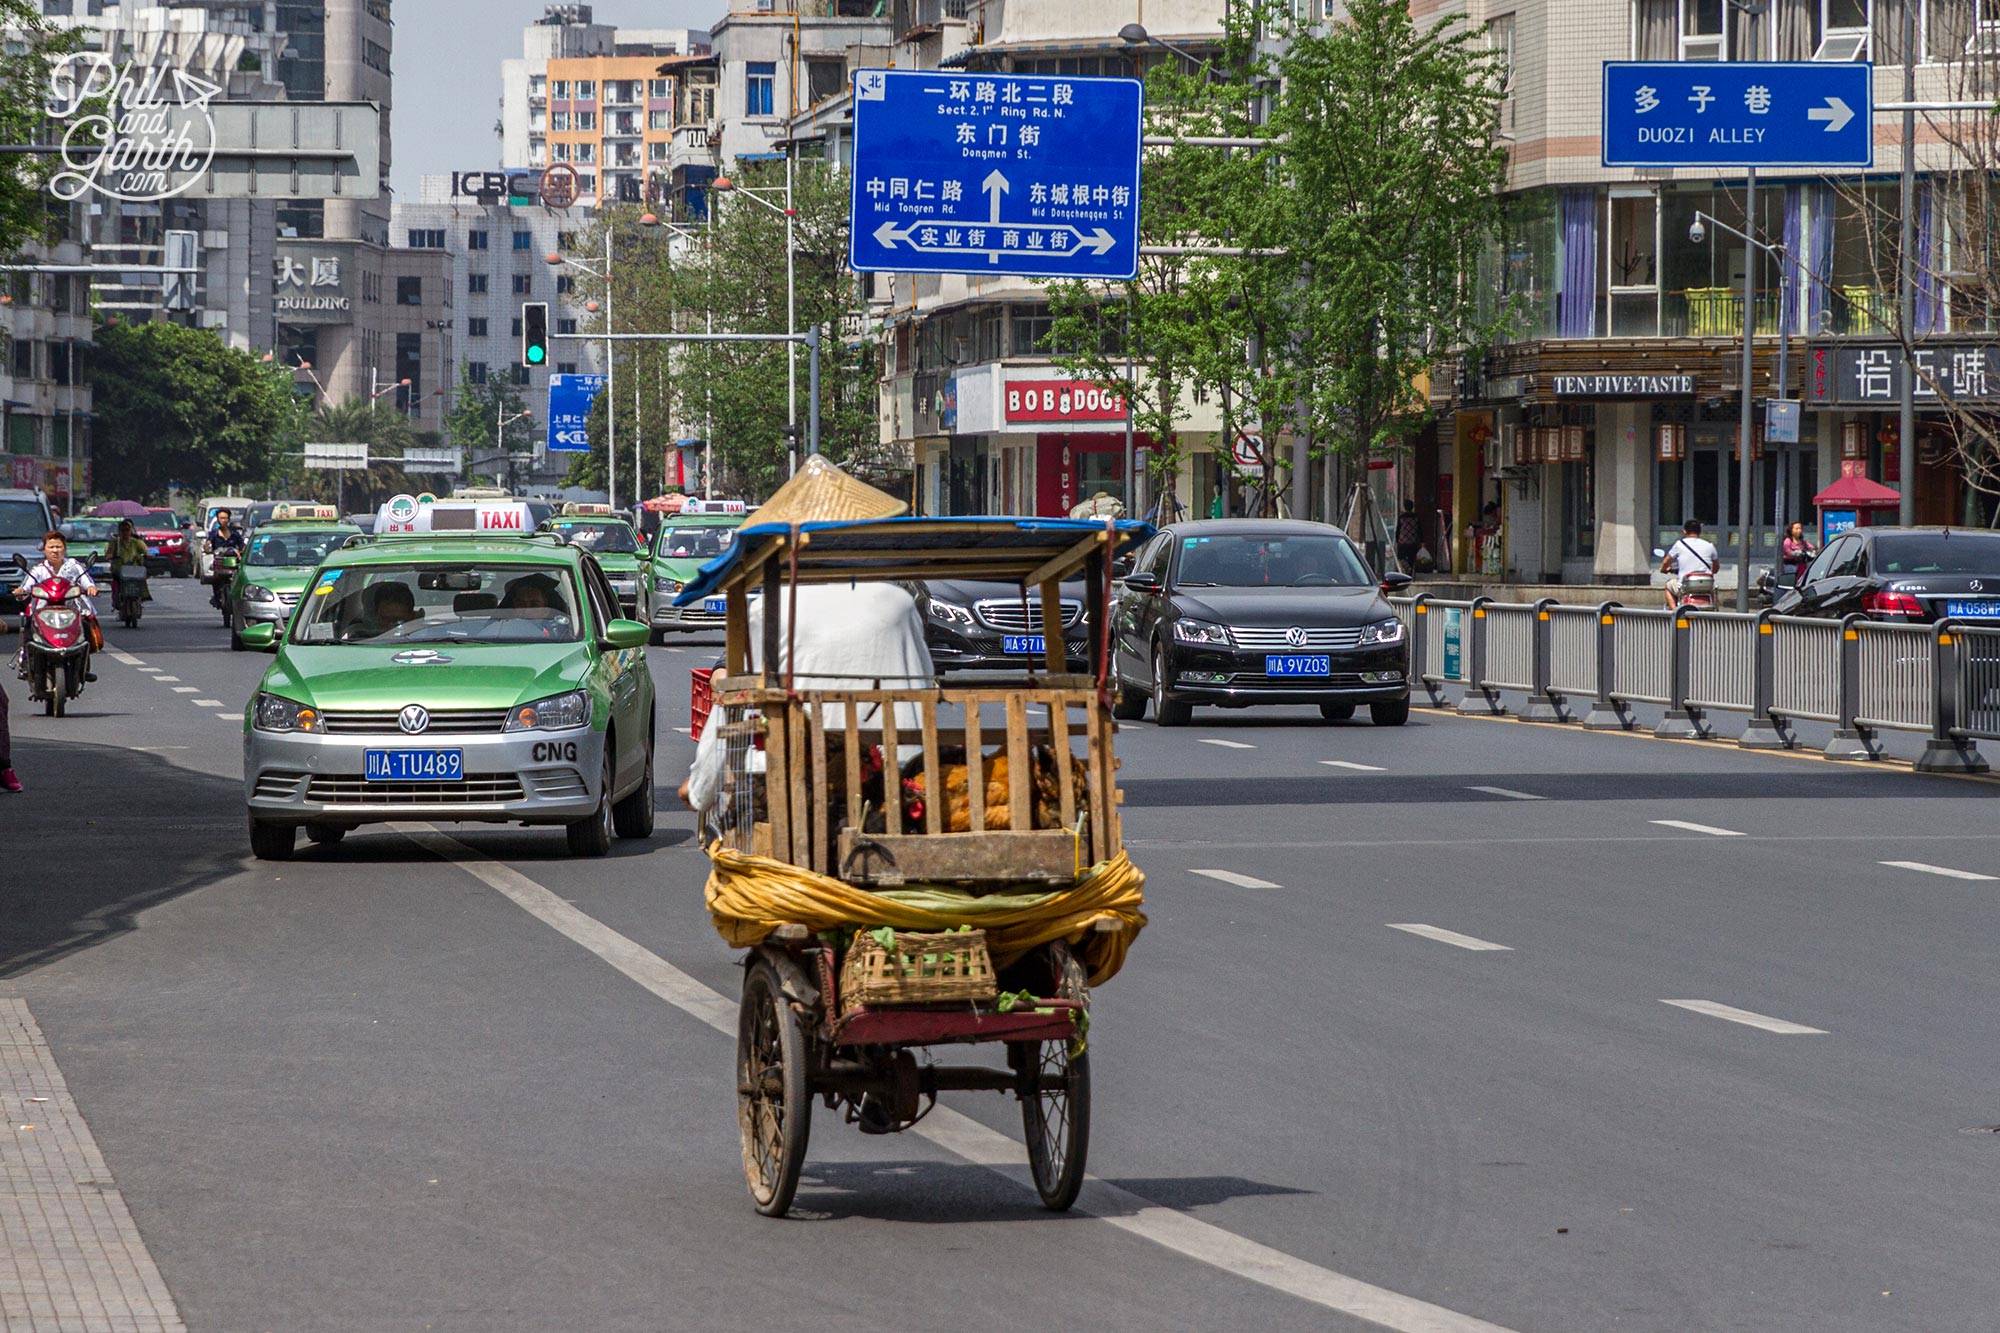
{"x": 1697, "y": 233}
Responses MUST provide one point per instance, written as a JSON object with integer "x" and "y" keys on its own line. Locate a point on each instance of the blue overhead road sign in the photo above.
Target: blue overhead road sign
{"x": 569, "y": 409}
{"x": 1024, "y": 174}
{"x": 1672, "y": 113}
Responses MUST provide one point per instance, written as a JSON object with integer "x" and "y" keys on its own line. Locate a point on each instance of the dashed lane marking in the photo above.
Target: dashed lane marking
{"x": 1350, "y": 764}
{"x": 1731, "y": 1014}
{"x": 1509, "y": 793}
{"x": 967, "y": 1138}
{"x": 1443, "y": 936}
{"x": 1227, "y": 745}
{"x": 1925, "y": 868}
{"x": 150, "y": 670}
{"x": 165, "y": 680}
{"x": 1240, "y": 881}
{"x": 1709, "y": 829}
{"x": 207, "y": 703}
{"x": 117, "y": 655}
{"x": 187, "y": 689}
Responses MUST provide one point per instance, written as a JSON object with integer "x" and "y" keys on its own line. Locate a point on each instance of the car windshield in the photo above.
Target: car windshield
{"x": 1938, "y": 553}
{"x": 90, "y": 529}
{"x": 1271, "y": 560}
{"x": 158, "y": 523}
{"x": 22, "y": 519}
{"x": 440, "y": 602}
{"x": 695, "y": 543}
{"x": 294, "y": 548}
{"x": 601, "y": 538}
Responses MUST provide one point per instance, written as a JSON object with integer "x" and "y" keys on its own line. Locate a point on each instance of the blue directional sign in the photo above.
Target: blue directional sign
{"x": 1738, "y": 114}
{"x": 569, "y": 408}
{"x": 1024, "y": 174}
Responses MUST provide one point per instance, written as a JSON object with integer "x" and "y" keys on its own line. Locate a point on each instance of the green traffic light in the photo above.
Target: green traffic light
{"x": 537, "y": 355}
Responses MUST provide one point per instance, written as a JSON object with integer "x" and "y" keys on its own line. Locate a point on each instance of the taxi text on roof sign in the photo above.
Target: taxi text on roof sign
{"x": 454, "y": 516}
{"x": 1666, "y": 113}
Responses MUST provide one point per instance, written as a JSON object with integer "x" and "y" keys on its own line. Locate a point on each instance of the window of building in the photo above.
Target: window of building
{"x": 1843, "y": 30}
{"x": 701, "y": 105}
{"x": 656, "y": 150}
{"x": 824, "y": 79}
{"x": 426, "y": 238}
{"x": 559, "y": 122}
{"x": 586, "y": 152}
{"x": 475, "y": 328}
{"x": 565, "y": 326}
{"x": 1632, "y": 263}
{"x": 586, "y": 122}
{"x": 538, "y": 154}
{"x": 476, "y": 239}
{"x": 560, "y": 90}
{"x": 565, "y": 367}
{"x": 659, "y": 120}
{"x": 410, "y": 367}
{"x": 1579, "y": 503}
{"x": 1500, "y": 33}
{"x": 562, "y": 152}
{"x": 524, "y": 240}
{"x": 24, "y": 359}
{"x": 760, "y": 81}
{"x": 1031, "y": 324}
{"x": 659, "y": 87}
{"x": 565, "y": 284}
{"x": 586, "y": 90}
{"x": 565, "y": 240}
{"x": 538, "y": 85}
{"x": 516, "y": 329}
{"x": 524, "y": 284}
{"x": 586, "y": 182}
{"x": 518, "y": 373}
{"x": 1703, "y": 36}
{"x": 475, "y": 284}
{"x": 409, "y": 291}
{"x": 538, "y": 120}
{"x": 476, "y": 371}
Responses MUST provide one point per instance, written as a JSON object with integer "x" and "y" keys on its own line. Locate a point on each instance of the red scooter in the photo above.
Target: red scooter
{"x": 56, "y": 654}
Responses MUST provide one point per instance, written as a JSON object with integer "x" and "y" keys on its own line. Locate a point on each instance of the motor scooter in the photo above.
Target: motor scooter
{"x": 55, "y": 657}
{"x": 226, "y": 563}
{"x": 131, "y": 594}
{"x": 1697, "y": 590}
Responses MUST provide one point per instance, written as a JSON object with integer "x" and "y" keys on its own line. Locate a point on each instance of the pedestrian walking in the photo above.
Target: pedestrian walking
{"x": 1795, "y": 553}
{"x": 8, "y": 782}
{"x": 1409, "y": 535}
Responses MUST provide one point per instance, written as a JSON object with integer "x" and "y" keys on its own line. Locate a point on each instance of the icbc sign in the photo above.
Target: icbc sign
{"x": 1063, "y": 400}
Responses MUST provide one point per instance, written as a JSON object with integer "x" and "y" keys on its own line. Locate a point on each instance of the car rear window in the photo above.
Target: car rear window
{"x": 22, "y": 520}
{"x": 1938, "y": 553}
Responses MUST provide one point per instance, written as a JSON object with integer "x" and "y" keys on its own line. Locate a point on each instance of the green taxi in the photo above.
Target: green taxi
{"x": 684, "y": 543}
{"x": 613, "y": 542}
{"x": 452, "y": 677}
{"x": 277, "y": 565}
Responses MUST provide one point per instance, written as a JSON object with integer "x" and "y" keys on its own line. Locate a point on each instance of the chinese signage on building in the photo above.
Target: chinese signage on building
{"x": 310, "y": 284}
{"x": 1062, "y": 400}
{"x": 1872, "y": 376}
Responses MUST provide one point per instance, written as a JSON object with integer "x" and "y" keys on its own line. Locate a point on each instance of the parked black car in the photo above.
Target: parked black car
{"x": 1907, "y": 575}
{"x": 1236, "y": 612}
{"x": 972, "y": 625}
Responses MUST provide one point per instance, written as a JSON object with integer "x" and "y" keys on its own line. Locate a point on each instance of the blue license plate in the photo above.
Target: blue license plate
{"x": 1022, "y": 643}
{"x": 415, "y": 765}
{"x": 1298, "y": 664}
{"x": 715, "y": 606}
{"x": 1974, "y": 610}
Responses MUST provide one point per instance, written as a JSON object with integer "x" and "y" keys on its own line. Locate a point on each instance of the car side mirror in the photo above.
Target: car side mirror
{"x": 260, "y": 638}
{"x": 1145, "y": 580}
{"x": 626, "y": 634}
{"x": 1395, "y": 583}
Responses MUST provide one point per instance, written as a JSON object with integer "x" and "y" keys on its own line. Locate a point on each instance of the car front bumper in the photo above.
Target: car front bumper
{"x": 533, "y": 777}
{"x": 266, "y": 613}
{"x": 954, "y": 650}
{"x": 1234, "y": 677}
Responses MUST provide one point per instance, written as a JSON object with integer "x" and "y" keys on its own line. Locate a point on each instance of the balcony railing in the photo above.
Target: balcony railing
{"x": 1717, "y": 312}
{"x": 914, "y": 15}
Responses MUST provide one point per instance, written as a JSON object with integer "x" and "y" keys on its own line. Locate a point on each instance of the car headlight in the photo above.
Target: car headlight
{"x": 1201, "y": 631}
{"x": 257, "y": 592}
{"x": 1383, "y": 631}
{"x": 554, "y": 713}
{"x": 667, "y": 585}
{"x": 950, "y": 614}
{"x": 276, "y": 713}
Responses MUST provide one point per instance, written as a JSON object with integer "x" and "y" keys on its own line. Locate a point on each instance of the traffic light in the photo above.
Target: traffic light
{"x": 534, "y": 333}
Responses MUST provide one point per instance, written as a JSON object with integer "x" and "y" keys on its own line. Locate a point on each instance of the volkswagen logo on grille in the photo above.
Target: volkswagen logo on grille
{"x": 1295, "y": 637}
{"x": 414, "y": 719}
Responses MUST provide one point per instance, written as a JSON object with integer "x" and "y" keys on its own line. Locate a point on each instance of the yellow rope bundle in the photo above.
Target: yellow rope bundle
{"x": 750, "y": 896}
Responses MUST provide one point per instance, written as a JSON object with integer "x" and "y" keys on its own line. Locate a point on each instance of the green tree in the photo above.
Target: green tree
{"x": 385, "y": 431}
{"x": 478, "y": 410}
{"x": 27, "y": 56}
{"x": 175, "y": 407}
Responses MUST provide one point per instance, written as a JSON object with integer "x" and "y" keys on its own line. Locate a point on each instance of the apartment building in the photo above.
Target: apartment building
{"x": 45, "y": 398}
{"x": 1625, "y": 363}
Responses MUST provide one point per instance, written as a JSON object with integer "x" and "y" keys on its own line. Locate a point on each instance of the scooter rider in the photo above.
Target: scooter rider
{"x": 1692, "y": 554}
{"x": 126, "y": 549}
{"x": 224, "y": 538}
{"x": 54, "y": 564}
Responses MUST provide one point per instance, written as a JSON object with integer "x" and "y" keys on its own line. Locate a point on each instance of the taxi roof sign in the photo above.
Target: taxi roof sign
{"x": 294, "y": 509}
{"x": 585, "y": 509}
{"x": 715, "y": 507}
{"x": 468, "y": 517}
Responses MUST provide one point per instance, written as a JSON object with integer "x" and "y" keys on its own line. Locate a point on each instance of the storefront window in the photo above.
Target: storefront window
{"x": 1579, "y": 526}
{"x": 1632, "y": 266}
{"x": 1520, "y": 276}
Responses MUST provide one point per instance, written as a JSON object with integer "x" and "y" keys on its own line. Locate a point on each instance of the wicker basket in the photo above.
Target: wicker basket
{"x": 922, "y": 969}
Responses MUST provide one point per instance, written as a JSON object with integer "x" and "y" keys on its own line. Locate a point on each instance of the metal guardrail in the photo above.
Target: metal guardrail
{"x": 1897, "y": 676}
{"x": 1510, "y": 647}
{"x": 1573, "y": 649}
{"x": 1722, "y": 660}
{"x": 1806, "y": 675}
{"x": 1642, "y": 652}
{"x": 1979, "y": 683}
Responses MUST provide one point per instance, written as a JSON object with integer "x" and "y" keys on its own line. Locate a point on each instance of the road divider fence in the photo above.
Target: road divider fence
{"x": 1863, "y": 677}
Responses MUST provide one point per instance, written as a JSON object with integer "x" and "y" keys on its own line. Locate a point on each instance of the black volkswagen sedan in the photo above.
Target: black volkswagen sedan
{"x": 1907, "y": 575}
{"x": 971, "y": 625}
{"x": 1236, "y": 612}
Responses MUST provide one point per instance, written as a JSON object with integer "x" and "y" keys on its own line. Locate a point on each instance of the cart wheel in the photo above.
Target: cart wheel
{"x": 773, "y": 1107}
{"x": 1057, "y": 1117}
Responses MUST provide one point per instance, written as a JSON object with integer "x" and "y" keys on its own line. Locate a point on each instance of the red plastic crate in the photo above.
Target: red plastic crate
{"x": 701, "y": 698}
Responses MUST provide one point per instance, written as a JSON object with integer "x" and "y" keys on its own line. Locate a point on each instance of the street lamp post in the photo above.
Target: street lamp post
{"x": 500, "y": 425}
{"x": 610, "y": 370}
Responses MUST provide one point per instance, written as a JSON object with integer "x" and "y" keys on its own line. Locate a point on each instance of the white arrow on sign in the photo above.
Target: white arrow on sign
{"x": 1835, "y": 113}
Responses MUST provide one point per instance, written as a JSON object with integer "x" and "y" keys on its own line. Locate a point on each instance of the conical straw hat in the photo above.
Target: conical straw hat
{"x": 819, "y": 492}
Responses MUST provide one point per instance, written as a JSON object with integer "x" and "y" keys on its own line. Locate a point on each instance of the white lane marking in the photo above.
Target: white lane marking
{"x": 1927, "y": 869}
{"x": 206, "y": 703}
{"x": 118, "y": 655}
{"x": 1227, "y": 745}
{"x": 966, "y": 1137}
{"x": 1709, "y": 829}
{"x": 151, "y": 671}
{"x": 1734, "y": 1015}
{"x": 1358, "y": 768}
{"x": 166, "y": 679}
{"x": 1443, "y": 936}
{"x": 676, "y": 650}
{"x": 154, "y": 749}
{"x": 1509, "y": 793}
{"x": 1240, "y": 881}
{"x": 187, "y": 689}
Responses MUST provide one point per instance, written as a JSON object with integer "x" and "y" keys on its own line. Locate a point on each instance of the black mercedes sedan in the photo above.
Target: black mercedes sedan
{"x": 971, "y": 625}
{"x": 1236, "y": 612}
{"x": 1907, "y": 575}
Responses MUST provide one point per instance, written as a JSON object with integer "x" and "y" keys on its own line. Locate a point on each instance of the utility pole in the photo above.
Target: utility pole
{"x": 1906, "y": 283}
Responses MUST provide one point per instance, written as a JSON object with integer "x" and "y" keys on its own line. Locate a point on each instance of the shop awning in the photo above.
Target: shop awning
{"x": 1857, "y": 493}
